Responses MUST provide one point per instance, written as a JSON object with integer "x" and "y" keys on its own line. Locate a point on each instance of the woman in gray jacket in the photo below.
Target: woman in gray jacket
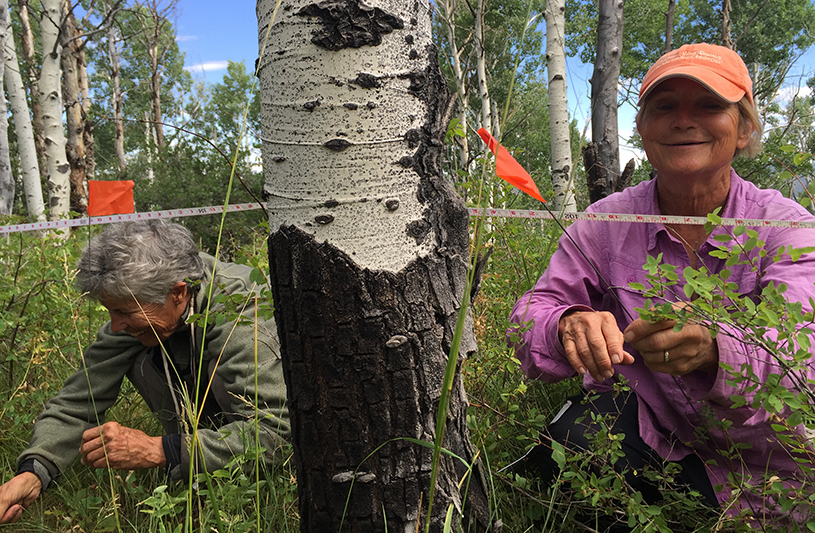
{"x": 202, "y": 378}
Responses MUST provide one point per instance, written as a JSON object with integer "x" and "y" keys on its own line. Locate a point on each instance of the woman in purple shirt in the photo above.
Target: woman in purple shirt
{"x": 696, "y": 114}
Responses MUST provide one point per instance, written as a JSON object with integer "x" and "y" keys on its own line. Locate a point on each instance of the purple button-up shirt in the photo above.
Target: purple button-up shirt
{"x": 671, "y": 409}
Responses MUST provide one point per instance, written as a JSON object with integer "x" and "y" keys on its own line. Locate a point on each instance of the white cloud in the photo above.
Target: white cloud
{"x": 628, "y": 151}
{"x": 786, "y": 94}
{"x": 207, "y": 66}
{"x": 182, "y": 38}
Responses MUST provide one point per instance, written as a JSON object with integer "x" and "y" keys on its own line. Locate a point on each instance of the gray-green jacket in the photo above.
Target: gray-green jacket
{"x": 228, "y": 357}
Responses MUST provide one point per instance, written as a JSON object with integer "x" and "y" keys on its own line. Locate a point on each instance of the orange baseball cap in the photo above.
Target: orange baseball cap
{"x": 719, "y": 69}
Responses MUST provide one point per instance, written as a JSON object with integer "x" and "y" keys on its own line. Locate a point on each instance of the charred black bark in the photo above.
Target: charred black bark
{"x": 365, "y": 354}
{"x": 350, "y": 24}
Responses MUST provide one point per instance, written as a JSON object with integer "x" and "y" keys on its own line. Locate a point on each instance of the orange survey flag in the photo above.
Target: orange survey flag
{"x": 110, "y": 197}
{"x": 507, "y": 168}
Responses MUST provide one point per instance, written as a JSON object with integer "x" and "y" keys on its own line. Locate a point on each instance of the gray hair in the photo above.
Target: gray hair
{"x": 145, "y": 259}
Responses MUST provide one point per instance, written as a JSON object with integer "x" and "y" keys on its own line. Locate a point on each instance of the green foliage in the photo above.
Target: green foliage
{"x": 44, "y": 325}
{"x": 137, "y": 33}
{"x": 769, "y": 36}
{"x": 767, "y": 321}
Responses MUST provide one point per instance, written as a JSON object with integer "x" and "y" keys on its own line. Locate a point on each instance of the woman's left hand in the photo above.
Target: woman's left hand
{"x": 673, "y": 352}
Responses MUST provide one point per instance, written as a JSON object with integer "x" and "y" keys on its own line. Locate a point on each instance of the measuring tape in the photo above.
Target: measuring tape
{"x": 624, "y": 217}
{"x": 473, "y": 211}
{"x": 110, "y": 219}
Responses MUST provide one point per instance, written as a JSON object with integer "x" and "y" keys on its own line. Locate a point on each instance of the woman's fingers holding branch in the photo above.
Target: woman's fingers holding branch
{"x": 593, "y": 343}
{"x": 673, "y": 352}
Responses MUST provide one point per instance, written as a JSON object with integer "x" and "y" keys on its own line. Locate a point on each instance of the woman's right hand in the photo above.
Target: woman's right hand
{"x": 593, "y": 343}
{"x": 17, "y": 494}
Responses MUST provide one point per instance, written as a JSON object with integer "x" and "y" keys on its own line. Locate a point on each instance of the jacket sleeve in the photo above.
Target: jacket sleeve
{"x": 82, "y": 401}
{"x": 239, "y": 378}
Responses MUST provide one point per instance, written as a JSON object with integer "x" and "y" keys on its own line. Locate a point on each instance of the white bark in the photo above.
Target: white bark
{"x": 562, "y": 177}
{"x": 116, "y": 97}
{"x": 311, "y": 96}
{"x": 58, "y": 169}
{"x": 152, "y": 37}
{"x": 481, "y": 69}
{"x": 26, "y": 149}
{"x": 6, "y": 179}
{"x": 448, "y": 11}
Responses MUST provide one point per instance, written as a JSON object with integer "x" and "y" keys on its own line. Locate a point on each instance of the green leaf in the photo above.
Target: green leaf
{"x": 559, "y": 454}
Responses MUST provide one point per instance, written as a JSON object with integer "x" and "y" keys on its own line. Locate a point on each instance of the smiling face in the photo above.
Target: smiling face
{"x": 688, "y": 132}
{"x": 148, "y": 322}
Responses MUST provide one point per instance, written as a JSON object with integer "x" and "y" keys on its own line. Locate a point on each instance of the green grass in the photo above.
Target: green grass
{"x": 44, "y": 324}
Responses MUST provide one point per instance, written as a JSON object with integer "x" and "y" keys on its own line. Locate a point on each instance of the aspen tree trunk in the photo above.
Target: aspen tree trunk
{"x": 726, "y": 10}
{"x": 6, "y": 179}
{"x": 368, "y": 258}
{"x": 116, "y": 97}
{"x": 152, "y": 34}
{"x": 31, "y": 80}
{"x": 26, "y": 149}
{"x": 85, "y": 109}
{"x": 562, "y": 181}
{"x": 58, "y": 169}
{"x": 448, "y": 13}
{"x": 74, "y": 121}
{"x": 155, "y": 84}
{"x": 669, "y": 26}
{"x": 481, "y": 69}
{"x": 604, "y": 81}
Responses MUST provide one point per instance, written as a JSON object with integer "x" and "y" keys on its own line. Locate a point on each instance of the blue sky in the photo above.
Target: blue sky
{"x": 212, "y": 32}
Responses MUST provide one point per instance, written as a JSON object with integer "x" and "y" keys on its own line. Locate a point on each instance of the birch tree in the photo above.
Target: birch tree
{"x": 6, "y": 179}
{"x": 58, "y": 169}
{"x": 26, "y": 149}
{"x": 562, "y": 182}
{"x": 368, "y": 258}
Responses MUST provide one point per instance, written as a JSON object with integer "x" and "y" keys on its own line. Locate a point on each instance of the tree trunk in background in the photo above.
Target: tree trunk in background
{"x": 58, "y": 169}
{"x": 604, "y": 81}
{"x": 669, "y": 26}
{"x": 27, "y": 151}
{"x": 116, "y": 98}
{"x": 74, "y": 123}
{"x": 6, "y": 179}
{"x": 562, "y": 181}
{"x": 151, "y": 36}
{"x": 487, "y": 117}
{"x": 155, "y": 84}
{"x": 448, "y": 13}
{"x": 85, "y": 108}
{"x": 726, "y": 10}
{"x": 32, "y": 82}
{"x": 368, "y": 259}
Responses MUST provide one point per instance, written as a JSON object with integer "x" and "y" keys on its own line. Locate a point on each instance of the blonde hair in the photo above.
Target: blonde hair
{"x": 748, "y": 117}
